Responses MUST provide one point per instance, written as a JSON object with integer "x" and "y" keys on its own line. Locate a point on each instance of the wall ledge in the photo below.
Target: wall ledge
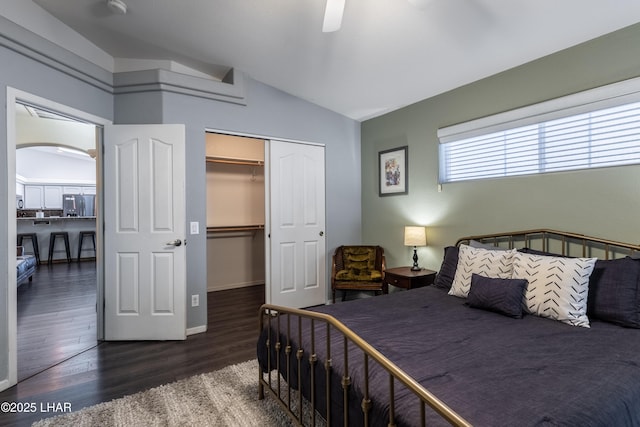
{"x": 160, "y": 80}
{"x": 30, "y": 45}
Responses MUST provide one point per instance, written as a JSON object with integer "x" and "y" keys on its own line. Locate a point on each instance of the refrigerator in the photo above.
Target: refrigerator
{"x": 78, "y": 205}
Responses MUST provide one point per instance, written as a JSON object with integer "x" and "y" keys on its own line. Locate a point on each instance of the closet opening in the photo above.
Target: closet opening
{"x": 235, "y": 212}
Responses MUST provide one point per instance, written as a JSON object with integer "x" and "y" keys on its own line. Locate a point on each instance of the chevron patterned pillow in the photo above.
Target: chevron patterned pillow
{"x": 558, "y": 287}
{"x": 487, "y": 263}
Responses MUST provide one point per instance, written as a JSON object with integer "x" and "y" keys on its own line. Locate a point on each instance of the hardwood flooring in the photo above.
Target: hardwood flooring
{"x": 56, "y": 316}
{"x": 111, "y": 370}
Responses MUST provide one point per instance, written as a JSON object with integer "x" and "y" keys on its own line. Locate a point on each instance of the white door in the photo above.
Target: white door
{"x": 144, "y": 213}
{"x": 297, "y": 219}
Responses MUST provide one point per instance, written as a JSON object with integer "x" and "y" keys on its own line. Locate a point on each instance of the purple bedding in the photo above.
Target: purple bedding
{"x": 491, "y": 369}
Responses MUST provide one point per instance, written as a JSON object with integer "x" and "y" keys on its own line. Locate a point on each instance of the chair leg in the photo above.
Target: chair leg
{"x": 344, "y": 295}
{"x": 333, "y": 294}
{"x": 67, "y": 248}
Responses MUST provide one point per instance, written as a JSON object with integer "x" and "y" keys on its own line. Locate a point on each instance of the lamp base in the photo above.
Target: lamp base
{"x": 415, "y": 260}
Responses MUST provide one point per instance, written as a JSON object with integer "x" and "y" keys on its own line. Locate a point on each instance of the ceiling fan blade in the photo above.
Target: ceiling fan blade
{"x": 333, "y": 16}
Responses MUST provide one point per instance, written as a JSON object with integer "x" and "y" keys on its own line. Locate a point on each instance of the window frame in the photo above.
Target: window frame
{"x": 593, "y": 100}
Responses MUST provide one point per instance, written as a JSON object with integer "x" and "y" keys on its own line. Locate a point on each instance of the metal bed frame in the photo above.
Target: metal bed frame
{"x": 271, "y": 382}
{"x": 557, "y": 242}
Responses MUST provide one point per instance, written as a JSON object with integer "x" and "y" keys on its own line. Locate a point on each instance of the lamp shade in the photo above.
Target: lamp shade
{"x": 415, "y": 236}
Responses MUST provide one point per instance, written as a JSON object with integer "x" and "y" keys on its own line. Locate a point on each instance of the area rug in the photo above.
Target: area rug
{"x": 228, "y": 397}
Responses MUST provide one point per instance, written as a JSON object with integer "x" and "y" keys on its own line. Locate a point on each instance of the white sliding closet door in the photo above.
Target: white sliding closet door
{"x": 296, "y": 224}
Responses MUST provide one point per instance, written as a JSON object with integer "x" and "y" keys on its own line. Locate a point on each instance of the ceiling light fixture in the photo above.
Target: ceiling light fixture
{"x": 117, "y": 6}
{"x": 333, "y": 16}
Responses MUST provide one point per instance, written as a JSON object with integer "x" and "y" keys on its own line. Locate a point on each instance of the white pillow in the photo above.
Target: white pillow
{"x": 558, "y": 287}
{"x": 496, "y": 264}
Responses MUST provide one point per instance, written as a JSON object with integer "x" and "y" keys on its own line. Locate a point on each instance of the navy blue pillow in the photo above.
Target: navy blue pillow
{"x": 500, "y": 295}
{"x": 613, "y": 292}
{"x": 444, "y": 278}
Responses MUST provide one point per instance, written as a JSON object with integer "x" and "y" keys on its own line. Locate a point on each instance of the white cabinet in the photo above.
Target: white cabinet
{"x": 53, "y": 197}
{"x": 85, "y": 189}
{"x": 43, "y": 197}
{"x": 20, "y": 189}
{"x": 33, "y": 196}
{"x": 50, "y": 196}
{"x": 71, "y": 190}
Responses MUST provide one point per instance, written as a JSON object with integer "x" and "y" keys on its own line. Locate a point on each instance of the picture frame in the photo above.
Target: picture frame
{"x": 393, "y": 171}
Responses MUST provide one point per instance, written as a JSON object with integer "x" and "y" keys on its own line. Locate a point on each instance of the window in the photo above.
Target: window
{"x": 564, "y": 140}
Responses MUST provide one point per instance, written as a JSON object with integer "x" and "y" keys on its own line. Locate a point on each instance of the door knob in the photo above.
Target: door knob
{"x": 176, "y": 242}
{"x": 321, "y": 233}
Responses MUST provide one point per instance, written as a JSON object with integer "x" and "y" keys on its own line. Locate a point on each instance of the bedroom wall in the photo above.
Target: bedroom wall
{"x": 269, "y": 113}
{"x": 67, "y": 79}
{"x": 36, "y": 77}
{"x": 602, "y": 202}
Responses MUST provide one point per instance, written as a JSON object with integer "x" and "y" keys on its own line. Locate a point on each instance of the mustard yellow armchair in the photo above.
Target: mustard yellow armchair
{"x": 358, "y": 268}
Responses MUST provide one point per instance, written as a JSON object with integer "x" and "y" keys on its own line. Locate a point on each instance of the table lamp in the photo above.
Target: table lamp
{"x": 415, "y": 236}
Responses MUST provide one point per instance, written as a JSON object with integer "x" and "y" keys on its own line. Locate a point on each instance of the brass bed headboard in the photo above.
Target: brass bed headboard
{"x": 558, "y": 242}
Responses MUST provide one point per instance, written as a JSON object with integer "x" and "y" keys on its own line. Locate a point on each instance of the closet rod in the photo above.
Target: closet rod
{"x": 235, "y": 228}
{"x": 235, "y": 161}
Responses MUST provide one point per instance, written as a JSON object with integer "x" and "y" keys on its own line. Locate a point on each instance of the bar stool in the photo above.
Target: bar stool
{"x": 81, "y": 237}
{"x": 34, "y": 243}
{"x": 52, "y": 244}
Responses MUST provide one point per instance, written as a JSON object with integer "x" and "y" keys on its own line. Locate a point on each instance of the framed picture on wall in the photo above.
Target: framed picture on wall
{"x": 393, "y": 171}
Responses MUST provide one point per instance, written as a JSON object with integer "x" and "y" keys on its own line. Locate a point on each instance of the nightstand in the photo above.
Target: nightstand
{"x": 404, "y": 277}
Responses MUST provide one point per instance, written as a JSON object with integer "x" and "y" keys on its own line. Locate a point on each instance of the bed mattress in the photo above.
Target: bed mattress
{"x": 491, "y": 369}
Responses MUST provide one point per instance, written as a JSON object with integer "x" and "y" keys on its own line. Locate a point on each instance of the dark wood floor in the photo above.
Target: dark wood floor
{"x": 56, "y": 314}
{"x": 114, "y": 369}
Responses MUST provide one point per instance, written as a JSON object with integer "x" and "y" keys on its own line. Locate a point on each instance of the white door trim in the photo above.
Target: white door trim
{"x": 264, "y": 137}
{"x": 13, "y": 96}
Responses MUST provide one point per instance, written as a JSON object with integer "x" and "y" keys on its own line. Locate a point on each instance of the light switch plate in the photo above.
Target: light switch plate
{"x": 195, "y": 227}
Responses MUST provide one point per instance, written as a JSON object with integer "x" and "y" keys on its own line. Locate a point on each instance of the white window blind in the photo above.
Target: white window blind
{"x": 576, "y": 139}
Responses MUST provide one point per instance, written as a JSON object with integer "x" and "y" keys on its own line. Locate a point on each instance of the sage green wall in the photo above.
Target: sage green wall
{"x": 603, "y": 202}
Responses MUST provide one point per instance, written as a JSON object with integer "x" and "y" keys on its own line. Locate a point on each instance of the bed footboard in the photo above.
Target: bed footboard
{"x": 307, "y": 354}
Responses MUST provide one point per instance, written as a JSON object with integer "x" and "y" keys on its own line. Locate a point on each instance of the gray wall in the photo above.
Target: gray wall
{"x": 603, "y": 202}
{"x": 71, "y": 81}
{"x": 31, "y": 76}
{"x": 270, "y": 113}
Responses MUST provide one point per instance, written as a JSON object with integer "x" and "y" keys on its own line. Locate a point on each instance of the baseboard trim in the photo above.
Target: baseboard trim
{"x": 234, "y": 286}
{"x": 4, "y": 384}
{"x": 197, "y": 330}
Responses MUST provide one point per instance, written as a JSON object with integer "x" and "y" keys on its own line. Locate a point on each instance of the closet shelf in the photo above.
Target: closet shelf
{"x": 225, "y": 228}
{"x": 234, "y": 161}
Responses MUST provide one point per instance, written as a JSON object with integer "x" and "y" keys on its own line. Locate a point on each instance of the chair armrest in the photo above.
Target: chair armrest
{"x": 333, "y": 268}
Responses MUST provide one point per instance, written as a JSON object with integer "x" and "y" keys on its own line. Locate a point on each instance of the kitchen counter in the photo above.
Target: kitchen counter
{"x": 56, "y": 218}
{"x": 43, "y": 227}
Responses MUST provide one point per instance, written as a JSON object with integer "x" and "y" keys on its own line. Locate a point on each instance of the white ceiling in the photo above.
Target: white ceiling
{"x": 388, "y": 53}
